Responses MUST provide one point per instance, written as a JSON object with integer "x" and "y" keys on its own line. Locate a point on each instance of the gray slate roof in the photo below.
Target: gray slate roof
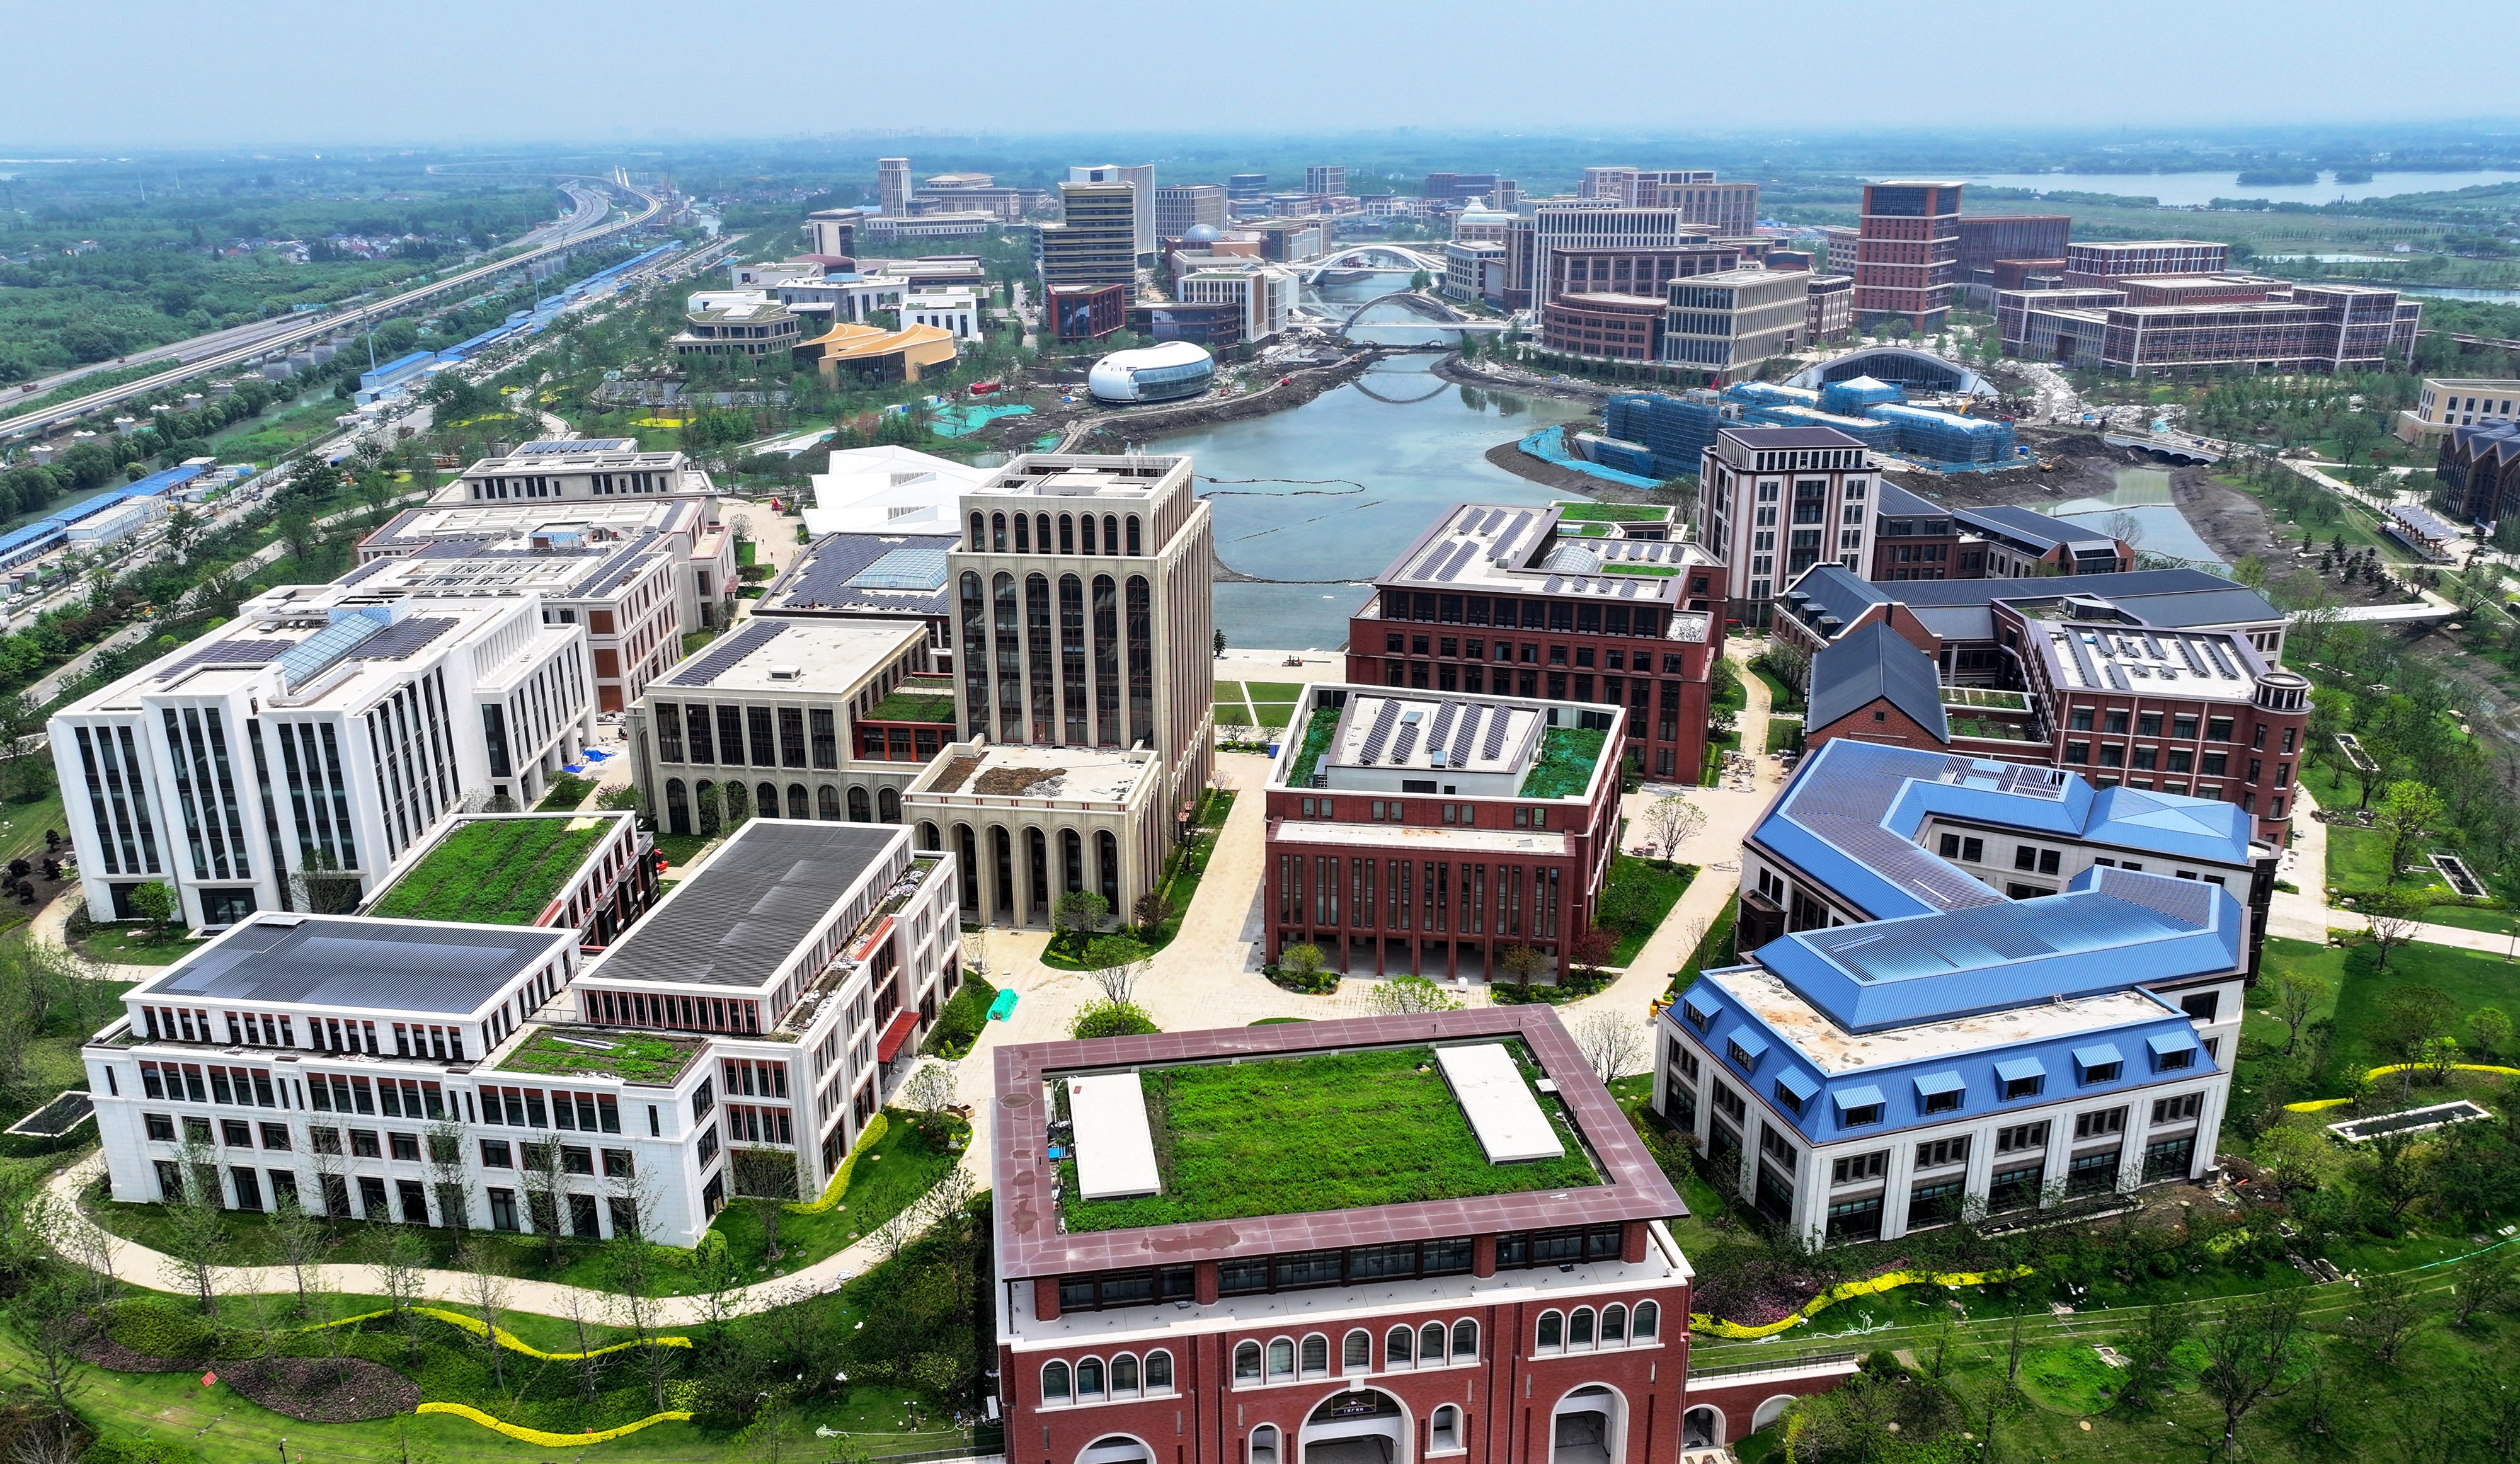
{"x": 1875, "y": 664}
{"x": 409, "y": 965}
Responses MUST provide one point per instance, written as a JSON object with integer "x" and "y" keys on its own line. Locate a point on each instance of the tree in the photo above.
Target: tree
{"x": 299, "y": 1239}
{"x": 2486, "y": 1280}
{"x": 2395, "y": 916}
{"x": 1521, "y": 963}
{"x": 1219, "y": 642}
{"x": 196, "y": 1232}
{"x": 444, "y": 1145}
{"x": 2385, "y": 1315}
{"x": 2405, "y": 810}
{"x": 2488, "y": 1032}
{"x": 1670, "y": 822}
{"x": 52, "y": 1320}
{"x": 154, "y": 902}
{"x": 1408, "y": 996}
{"x": 2248, "y": 1354}
{"x": 766, "y": 1180}
{"x": 929, "y": 1093}
{"x": 538, "y": 1161}
{"x": 2297, "y": 994}
{"x": 1077, "y": 915}
{"x": 2410, "y": 1017}
{"x": 183, "y": 528}
{"x": 1301, "y": 961}
{"x": 2148, "y": 1380}
{"x": 1613, "y": 1046}
{"x": 486, "y": 1289}
{"x": 399, "y": 1258}
{"x": 1122, "y": 965}
{"x": 1150, "y": 911}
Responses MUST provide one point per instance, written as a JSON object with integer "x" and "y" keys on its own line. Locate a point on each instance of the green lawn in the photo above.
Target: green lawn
{"x": 633, "y": 1057}
{"x": 501, "y": 871}
{"x": 1781, "y": 697}
{"x": 1640, "y": 894}
{"x": 2357, "y": 858}
{"x": 2471, "y": 978}
{"x": 916, "y": 701}
{"x": 680, "y": 850}
{"x": 2474, "y": 918}
{"x": 1273, "y": 713}
{"x": 1317, "y": 741}
{"x": 1292, "y": 1135}
{"x": 1276, "y": 691}
{"x": 1599, "y": 513}
{"x": 1783, "y": 736}
{"x": 134, "y": 943}
{"x": 567, "y": 790}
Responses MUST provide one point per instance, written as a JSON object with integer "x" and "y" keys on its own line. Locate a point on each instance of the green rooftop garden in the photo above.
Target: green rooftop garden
{"x": 1567, "y": 755}
{"x": 1316, "y": 743}
{"x": 632, "y": 1057}
{"x": 916, "y": 701}
{"x": 1292, "y": 1135}
{"x": 1988, "y": 728}
{"x": 1590, "y": 512}
{"x": 496, "y": 871}
{"x": 1980, "y": 697}
{"x": 1657, "y": 571}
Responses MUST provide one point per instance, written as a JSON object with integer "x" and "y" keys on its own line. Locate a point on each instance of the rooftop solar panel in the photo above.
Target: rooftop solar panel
{"x": 236, "y": 653}
{"x": 726, "y": 654}
{"x": 2188, "y": 653}
{"x": 920, "y": 569}
{"x": 1379, "y": 734}
{"x": 309, "y": 658}
{"x": 1464, "y": 733}
{"x": 403, "y": 638}
{"x": 2222, "y": 660}
{"x": 1494, "y": 747}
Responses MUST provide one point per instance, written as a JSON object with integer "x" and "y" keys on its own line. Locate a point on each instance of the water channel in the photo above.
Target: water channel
{"x": 2143, "y": 494}
{"x": 1331, "y": 492}
{"x": 2184, "y": 190}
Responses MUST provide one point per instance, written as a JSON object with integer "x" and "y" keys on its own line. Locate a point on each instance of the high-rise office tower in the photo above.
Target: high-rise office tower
{"x": 892, "y": 186}
{"x": 1908, "y": 252}
{"x": 1325, "y": 180}
{"x": 1140, "y": 177}
{"x": 1095, "y": 240}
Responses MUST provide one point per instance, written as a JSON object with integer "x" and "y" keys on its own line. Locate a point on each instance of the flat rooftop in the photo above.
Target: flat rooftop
{"x": 822, "y": 656}
{"x": 1485, "y": 549}
{"x": 736, "y": 920}
{"x": 1100, "y": 774}
{"x": 563, "y": 455}
{"x": 460, "y": 567}
{"x": 1081, "y": 475}
{"x": 1305, "y": 1136}
{"x": 2105, "y": 657}
{"x": 1434, "y": 733}
{"x": 526, "y": 520}
{"x": 501, "y": 870}
{"x": 864, "y": 574}
{"x": 373, "y": 965}
{"x": 643, "y": 1059}
{"x": 1834, "y": 1050}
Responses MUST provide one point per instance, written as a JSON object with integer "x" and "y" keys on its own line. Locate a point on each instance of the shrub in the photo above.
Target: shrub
{"x": 567, "y": 791}
{"x": 1112, "y": 1019}
{"x": 958, "y": 1024}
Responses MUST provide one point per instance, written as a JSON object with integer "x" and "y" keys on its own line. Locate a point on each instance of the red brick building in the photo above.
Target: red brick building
{"x": 1499, "y": 1323}
{"x": 1560, "y": 604}
{"x": 1428, "y": 834}
{"x": 1908, "y": 252}
{"x": 1620, "y": 327}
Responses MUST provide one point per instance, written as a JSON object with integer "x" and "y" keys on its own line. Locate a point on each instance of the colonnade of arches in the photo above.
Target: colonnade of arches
{"x": 1013, "y": 874}
{"x": 708, "y": 807}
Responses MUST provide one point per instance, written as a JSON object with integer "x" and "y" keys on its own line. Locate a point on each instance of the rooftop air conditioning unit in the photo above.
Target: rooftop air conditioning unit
{"x": 787, "y": 673}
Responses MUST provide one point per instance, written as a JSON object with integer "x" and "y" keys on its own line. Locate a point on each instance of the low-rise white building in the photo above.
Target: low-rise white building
{"x": 321, "y": 729}
{"x": 576, "y": 468}
{"x": 431, "y": 1073}
{"x": 1029, "y": 824}
{"x": 890, "y": 490}
{"x": 1265, "y": 293}
{"x": 704, "y": 548}
{"x": 954, "y": 310}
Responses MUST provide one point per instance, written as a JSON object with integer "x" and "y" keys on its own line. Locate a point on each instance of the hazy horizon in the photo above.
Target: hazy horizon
{"x": 151, "y": 76}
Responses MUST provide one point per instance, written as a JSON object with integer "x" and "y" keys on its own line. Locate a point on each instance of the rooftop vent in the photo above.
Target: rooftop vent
{"x": 787, "y": 673}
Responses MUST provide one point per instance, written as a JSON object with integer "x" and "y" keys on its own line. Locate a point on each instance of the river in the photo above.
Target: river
{"x": 1334, "y": 489}
{"x": 2143, "y": 494}
{"x": 2187, "y": 190}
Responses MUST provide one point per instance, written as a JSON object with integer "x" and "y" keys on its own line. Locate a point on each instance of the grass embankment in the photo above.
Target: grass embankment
{"x": 1295, "y": 1134}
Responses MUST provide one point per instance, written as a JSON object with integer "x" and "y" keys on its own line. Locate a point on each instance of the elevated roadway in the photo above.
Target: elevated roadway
{"x": 585, "y": 224}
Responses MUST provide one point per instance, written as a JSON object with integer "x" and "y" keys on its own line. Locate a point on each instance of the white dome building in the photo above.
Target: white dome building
{"x": 1163, "y": 373}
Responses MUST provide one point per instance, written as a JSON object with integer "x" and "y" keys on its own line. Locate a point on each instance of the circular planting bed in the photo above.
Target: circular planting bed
{"x": 324, "y": 1390}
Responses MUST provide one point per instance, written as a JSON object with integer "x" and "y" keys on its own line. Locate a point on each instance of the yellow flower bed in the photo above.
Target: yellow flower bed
{"x": 514, "y": 1344}
{"x": 2322, "y": 1105}
{"x": 839, "y": 1184}
{"x": 550, "y": 1440}
{"x": 1871, "y": 1286}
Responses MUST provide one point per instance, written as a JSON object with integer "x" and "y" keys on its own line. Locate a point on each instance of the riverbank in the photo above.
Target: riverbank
{"x": 1122, "y": 426}
{"x": 1528, "y": 384}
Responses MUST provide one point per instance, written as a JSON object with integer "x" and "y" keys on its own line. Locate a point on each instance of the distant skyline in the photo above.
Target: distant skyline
{"x": 144, "y": 74}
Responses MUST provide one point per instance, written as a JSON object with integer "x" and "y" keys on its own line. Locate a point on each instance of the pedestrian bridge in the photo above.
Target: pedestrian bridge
{"x": 1372, "y": 256}
{"x": 2178, "y": 446}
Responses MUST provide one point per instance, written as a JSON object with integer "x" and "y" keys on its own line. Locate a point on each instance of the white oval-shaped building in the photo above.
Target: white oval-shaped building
{"x": 1163, "y": 373}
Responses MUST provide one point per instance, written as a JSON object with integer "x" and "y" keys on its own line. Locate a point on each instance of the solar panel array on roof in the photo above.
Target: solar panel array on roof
{"x": 1466, "y": 733}
{"x": 1407, "y": 743}
{"x": 309, "y": 658}
{"x": 726, "y": 654}
{"x": 2222, "y": 660}
{"x": 904, "y": 568}
{"x": 1381, "y": 732}
{"x": 1443, "y": 727}
{"x": 2188, "y": 653}
{"x": 238, "y": 652}
{"x": 1493, "y": 747}
{"x": 403, "y": 638}
{"x": 576, "y": 445}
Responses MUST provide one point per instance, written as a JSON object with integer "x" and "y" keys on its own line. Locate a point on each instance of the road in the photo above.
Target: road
{"x": 583, "y": 225}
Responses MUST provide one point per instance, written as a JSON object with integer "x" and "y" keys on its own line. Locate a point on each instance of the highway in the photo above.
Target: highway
{"x": 584, "y": 224}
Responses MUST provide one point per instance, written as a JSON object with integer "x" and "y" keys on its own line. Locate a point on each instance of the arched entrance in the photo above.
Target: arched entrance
{"x": 1115, "y": 1448}
{"x": 1701, "y": 1427}
{"x": 1367, "y": 1426}
{"x": 1588, "y": 1426}
{"x": 1771, "y": 1410}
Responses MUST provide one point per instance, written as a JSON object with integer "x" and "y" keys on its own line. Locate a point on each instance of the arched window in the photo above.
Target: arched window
{"x": 827, "y": 803}
{"x": 1356, "y": 1354}
{"x": 1089, "y": 1378}
{"x": 1648, "y": 1317}
{"x": 1444, "y": 1430}
{"x": 1552, "y": 1331}
{"x": 998, "y": 532}
{"x": 1614, "y": 1323}
{"x": 1317, "y": 1356}
{"x": 860, "y": 811}
{"x": 1053, "y": 1383}
{"x": 979, "y": 534}
{"x": 1023, "y": 534}
{"x": 887, "y": 805}
{"x": 1124, "y": 1376}
{"x": 1430, "y": 1343}
{"x": 800, "y": 804}
{"x": 1397, "y": 1345}
{"x": 967, "y": 860}
{"x": 1041, "y": 533}
{"x": 1111, "y": 533}
{"x": 1071, "y": 861}
{"x": 1135, "y": 548}
{"x": 1246, "y": 1362}
{"x": 678, "y": 807}
{"x": 1264, "y": 1443}
{"x": 928, "y": 835}
{"x": 1067, "y": 533}
{"x": 766, "y": 805}
{"x": 1159, "y": 1371}
{"x": 1106, "y": 847}
{"x": 1282, "y": 1358}
{"x": 973, "y": 653}
{"x": 1579, "y": 1332}
{"x": 1089, "y": 533}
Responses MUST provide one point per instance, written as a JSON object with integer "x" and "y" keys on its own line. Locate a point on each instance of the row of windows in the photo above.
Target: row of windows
{"x": 1032, "y": 535}
{"x": 1395, "y": 811}
{"x": 1092, "y": 1380}
{"x": 1284, "y": 1359}
{"x": 1503, "y": 651}
{"x": 772, "y": 736}
{"x": 1533, "y": 614}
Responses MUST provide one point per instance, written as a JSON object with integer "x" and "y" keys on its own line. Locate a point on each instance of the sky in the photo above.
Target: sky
{"x": 98, "y": 75}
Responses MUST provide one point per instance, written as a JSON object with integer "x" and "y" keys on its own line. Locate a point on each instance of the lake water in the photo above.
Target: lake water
{"x": 2181, "y": 190}
{"x": 2141, "y": 494}
{"x": 1333, "y": 490}
{"x": 2467, "y": 292}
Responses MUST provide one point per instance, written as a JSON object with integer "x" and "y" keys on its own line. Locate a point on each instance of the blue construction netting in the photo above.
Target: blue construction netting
{"x": 1549, "y": 445}
{"x": 1674, "y": 430}
{"x": 1946, "y": 439}
{"x": 1880, "y": 436}
{"x": 1850, "y": 398}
